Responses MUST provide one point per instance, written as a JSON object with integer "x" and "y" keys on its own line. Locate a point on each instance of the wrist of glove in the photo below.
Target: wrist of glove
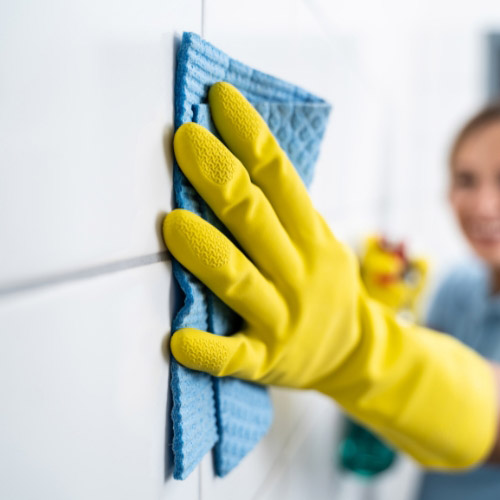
{"x": 307, "y": 320}
{"x": 423, "y": 391}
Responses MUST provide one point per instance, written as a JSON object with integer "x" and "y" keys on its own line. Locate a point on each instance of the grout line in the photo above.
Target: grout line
{"x": 200, "y": 480}
{"x": 291, "y": 445}
{"x": 82, "y": 274}
{"x": 203, "y": 10}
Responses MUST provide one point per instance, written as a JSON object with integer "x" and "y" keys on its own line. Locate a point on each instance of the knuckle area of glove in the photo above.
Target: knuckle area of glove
{"x": 243, "y": 205}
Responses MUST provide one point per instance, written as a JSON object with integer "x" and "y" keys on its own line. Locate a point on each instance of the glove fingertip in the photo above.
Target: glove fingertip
{"x": 169, "y": 227}
{"x": 220, "y": 87}
{"x": 235, "y": 118}
{"x": 199, "y": 350}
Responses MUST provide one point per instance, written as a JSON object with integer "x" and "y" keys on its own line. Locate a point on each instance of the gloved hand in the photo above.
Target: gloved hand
{"x": 308, "y": 322}
{"x": 390, "y": 276}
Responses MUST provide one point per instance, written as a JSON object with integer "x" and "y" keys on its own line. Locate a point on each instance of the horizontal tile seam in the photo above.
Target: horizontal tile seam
{"x": 83, "y": 274}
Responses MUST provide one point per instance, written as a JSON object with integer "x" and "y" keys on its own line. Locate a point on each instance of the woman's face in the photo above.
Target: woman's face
{"x": 475, "y": 191}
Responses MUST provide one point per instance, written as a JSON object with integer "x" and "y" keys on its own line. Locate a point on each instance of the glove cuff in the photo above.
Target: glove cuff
{"x": 423, "y": 391}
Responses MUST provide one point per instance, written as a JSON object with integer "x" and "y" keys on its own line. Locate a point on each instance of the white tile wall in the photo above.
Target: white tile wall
{"x": 85, "y": 177}
{"x": 83, "y": 390}
{"x": 87, "y": 101}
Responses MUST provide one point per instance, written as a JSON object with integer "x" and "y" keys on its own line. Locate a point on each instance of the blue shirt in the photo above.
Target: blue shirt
{"x": 464, "y": 307}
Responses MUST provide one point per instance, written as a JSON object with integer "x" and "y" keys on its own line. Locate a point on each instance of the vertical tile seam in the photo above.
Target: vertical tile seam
{"x": 200, "y": 481}
{"x": 203, "y": 11}
{"x": 288, "y": 451}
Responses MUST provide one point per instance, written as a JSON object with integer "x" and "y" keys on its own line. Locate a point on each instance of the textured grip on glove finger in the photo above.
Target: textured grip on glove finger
{"x": 208, "y": 244}
{"x": 199, "y": 350}
{"x": 238, "y": 355}
{"x": 216, "y": 163}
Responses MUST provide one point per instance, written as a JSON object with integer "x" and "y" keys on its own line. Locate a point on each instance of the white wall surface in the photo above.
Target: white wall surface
{"x": 86, "y": 100}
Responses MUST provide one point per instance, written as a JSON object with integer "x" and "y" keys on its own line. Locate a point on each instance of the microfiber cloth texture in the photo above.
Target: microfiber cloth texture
{"x": 227, "y": 414}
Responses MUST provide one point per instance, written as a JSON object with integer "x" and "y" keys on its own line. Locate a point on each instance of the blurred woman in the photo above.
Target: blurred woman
{"x": 467, "y": 304}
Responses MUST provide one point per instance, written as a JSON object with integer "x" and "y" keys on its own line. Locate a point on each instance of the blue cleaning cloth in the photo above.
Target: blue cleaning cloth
{"x": 227, "y": 414}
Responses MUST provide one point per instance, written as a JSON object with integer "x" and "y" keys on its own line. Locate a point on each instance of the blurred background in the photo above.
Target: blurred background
{"x": 86, "y": 122}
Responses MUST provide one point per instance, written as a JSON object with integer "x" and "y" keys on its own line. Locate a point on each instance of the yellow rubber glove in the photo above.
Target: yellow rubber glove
{"x": 390, "y": 276}
{"x": 308, "y": 323}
